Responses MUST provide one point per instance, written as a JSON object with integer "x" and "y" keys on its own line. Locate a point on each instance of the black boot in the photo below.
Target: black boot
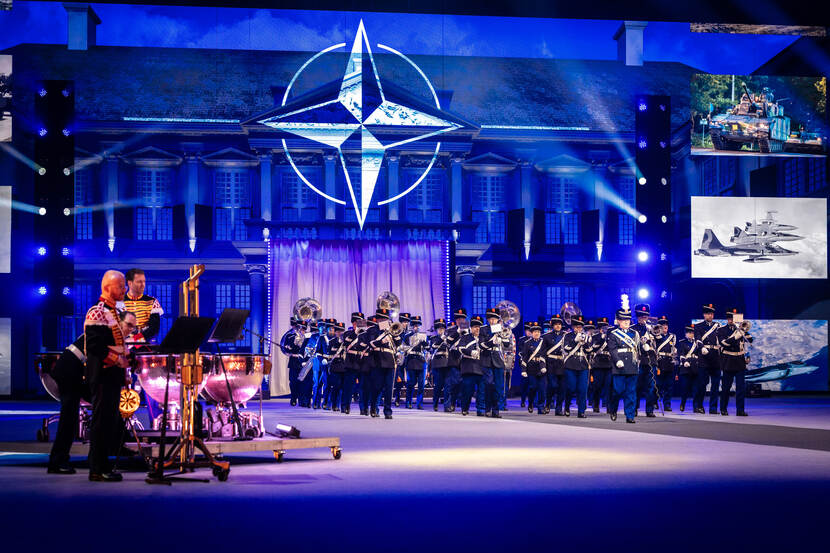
{"x": 613, "y": 416}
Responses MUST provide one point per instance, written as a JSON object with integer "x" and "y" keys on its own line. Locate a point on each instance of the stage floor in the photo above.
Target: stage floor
{"x": 428, "y": 480}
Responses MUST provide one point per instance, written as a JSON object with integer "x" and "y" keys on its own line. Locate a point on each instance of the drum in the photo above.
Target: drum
{"x": 152, "y": 372}
{"x": 245, "y": 373}
{"x": 44, "y": 364}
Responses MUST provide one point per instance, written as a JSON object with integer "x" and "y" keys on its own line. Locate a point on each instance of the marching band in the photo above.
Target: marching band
{"x": 579, "y": 361}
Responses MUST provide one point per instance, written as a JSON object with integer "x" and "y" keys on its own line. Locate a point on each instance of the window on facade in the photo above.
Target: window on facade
{"x": 561, "y": 215}
{"x": 232, "y": 201}
{"x": 236, "y": 295}
{"x": 424, "y": 204}
{"x": 84, "y": 295}
{"x": 709, "y": 176}
{"x": 83, "y": 198}
{"x": 299, "y": 202}
{"x": 486, "y": 296}
{"x": 556, "y": 296}
{"x": 154, "y": 220}
{"x": 627, "y": 189}
{"x": 488, "y": 203}
{"x": 816, "y": 174}
{"x": 790, "y": 182}
{"x": 728, "y": 177}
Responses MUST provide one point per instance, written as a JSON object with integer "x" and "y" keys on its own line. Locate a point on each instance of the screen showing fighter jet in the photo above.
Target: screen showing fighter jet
{"x": 787, "y": 355}
{"x": 759, "y": 237}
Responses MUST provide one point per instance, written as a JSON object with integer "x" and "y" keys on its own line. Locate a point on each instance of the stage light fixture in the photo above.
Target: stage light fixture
{"x": 41, "y": 171}
{"x": 662, "y": 257}
{"x": 41, "y": 211}
{"x": 287, "y": 431}
{"x": 65, "y": 291}
{"x": 664, "y": 294}
{"x": 664, "y": 181}
{"x": 642, "y": 144}
{"x": 41, "y": 251}
{"x": 66, "y": 132}
{"x": 642, "y": 256}
{"x": 662, "y": 107}
{"x": 65, "y": 252}
{"x": 42, "y": 132}
{"x": 642, "y": 180}
{"x": 642, "y": 218}
{"x": 67, "y": 211}
{"x": 642, "y": 293}
{"x": 65, "y": 92}
{"x": 42, "y": 92}
{"x": 42, "y": 290}
{"x": 663, "y": 144}
{"x": 67, "y": 171}
{"x": 664, "y": 219}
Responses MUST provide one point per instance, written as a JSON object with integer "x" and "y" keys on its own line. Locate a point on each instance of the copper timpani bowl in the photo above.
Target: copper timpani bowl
{"x": 154, "y": 375}
{"x": 245, "y": 373}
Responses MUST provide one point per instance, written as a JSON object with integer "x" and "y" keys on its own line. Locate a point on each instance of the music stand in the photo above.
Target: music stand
{"x": 185, "y": 336}
{"x": 229, "y": 329}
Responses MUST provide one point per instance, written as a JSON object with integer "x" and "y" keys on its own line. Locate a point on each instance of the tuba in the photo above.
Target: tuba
{"x": 390, "y": 301}
{"x": 307, "y": 309}
{"x": 510, "y": 318}
{"x": 569, "y": 309}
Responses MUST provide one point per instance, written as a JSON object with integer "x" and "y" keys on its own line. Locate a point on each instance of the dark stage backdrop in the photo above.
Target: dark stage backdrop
{"x": 347, "y": 276}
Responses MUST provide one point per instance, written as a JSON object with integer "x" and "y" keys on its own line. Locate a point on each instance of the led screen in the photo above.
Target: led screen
{"x": 758, "y": 115}
{"x": 759, "y": 237}
{"x": 5, "y": 98}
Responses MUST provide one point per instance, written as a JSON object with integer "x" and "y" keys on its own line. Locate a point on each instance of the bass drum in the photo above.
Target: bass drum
{"x": 153, "y": 372}
{"x": 245, "y": 373}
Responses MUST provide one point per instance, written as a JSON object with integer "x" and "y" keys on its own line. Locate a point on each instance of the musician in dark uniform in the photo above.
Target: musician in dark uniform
{"x": 493, "y": 345}
{"x": 352, "y": 359}
{"x": 400, "y": 368}
{"x": 471, "y": 372}
{"x": 523, "y": 386}
{"x": 534, "y": 368}
{"x": 600, "y": 366}
{"x": 452, "y": 387}
{"x": 687, "y": 368}
{"x": 666, "y": 360}
{"x": 106, "y": 361}
{"x": 383, "y": 346}
{"x": 646, "y": 380}
{"x": 336, "y": 367}
{"x": 733, "y": 339}
{"x": 624, "y": 348}
{"x": 68, "y": 373}
{"x": 415, "y": 362}
{"x": 368, "y": 401}
{"x": 706, "y": 334}
{"x": 292, "y": 345}
{"x": 576, "y": 364}
{"x": 554, "y": 357}
{"x": 325, "y": 330}
{"x": 438, "y": 365}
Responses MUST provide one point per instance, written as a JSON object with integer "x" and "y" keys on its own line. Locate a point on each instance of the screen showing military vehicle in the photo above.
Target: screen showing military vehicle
{"x": 759, "y": 237}
{"x": 758, "y": 115}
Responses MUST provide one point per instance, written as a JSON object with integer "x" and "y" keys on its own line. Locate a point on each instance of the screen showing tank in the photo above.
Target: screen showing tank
{"x": 758, "y": 115}
{"x": 5, "y": 98}
{"x": 787, "y": 355}
{"x": 759, "y": 237}
{"x": 5, "y": 356}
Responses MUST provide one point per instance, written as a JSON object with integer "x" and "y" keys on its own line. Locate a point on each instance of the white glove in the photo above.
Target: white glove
{"x": 524, "y": 375}
{"x": 620, "y": 364}
{"x": 646, "y": 347}
{"x": 704, "y": 350}
{"x": 687, "y": 364}
{"x": 544, "y": 371}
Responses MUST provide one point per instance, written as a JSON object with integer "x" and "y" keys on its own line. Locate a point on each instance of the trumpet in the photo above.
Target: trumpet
{"x": 745, "y": 326}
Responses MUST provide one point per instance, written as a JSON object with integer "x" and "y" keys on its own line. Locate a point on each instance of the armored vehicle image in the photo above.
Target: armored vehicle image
{"x": 758, "y": 121}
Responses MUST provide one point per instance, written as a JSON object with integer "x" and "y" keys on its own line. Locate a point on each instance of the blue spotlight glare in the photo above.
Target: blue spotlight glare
{"x": 65, "y": 252}
{"x": 642, "y": 255}
{"x": 664, "y": 294}
{"x": 664, "y": 181}
{"x": 41, "y": 250}
{"x": 41, "y": 171}
{"x": 42, "y": 132}
{"x": 642, "y": 180}
{"x": 42, "y": 92}
{"x": 66, "y": 132}
{"x": 642, "y": 106}
{"x": 642, "y": 218}
{"x": 642, "y": 144}
{"x": 642, "y": 293}
{"x": 67, "y": 171}
{"x": 65, "y": 92}
{"x": 664, "y": 219}
{"x": 663, "y": 144}
{"x": 41, "y": 211}
{"x": 662, "y": 107}
{"x": 65, "y": 291}
{"x": 42, "y": 290}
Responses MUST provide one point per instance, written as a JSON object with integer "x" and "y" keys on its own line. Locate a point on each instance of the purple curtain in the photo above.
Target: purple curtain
{"x": 347, "y": 276}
